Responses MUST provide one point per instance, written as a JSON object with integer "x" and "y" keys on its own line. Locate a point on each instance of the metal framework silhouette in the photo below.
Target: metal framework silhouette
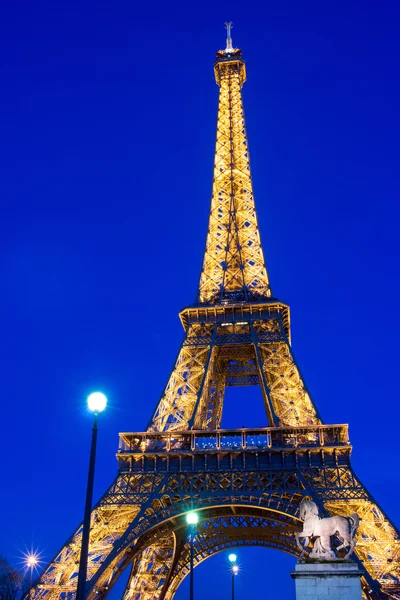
{"x": 246, "y": 484}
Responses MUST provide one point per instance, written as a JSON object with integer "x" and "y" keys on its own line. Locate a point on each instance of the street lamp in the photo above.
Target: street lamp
{"x": 31, "y": 561}
{"x": 235, "y": 570}
{"x": 232, "y": 558}
{"x": 96, "y": 403}
{"x": 192, "y": 519}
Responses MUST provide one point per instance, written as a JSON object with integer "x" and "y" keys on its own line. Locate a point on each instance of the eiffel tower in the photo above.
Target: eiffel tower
{"x": 245, "y": 484}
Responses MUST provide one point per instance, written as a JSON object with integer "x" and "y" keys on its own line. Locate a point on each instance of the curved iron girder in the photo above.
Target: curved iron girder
{"x": 284, "y": 503}
{"x": 176, "y": 528}
{"x": 279, "y": 510}
{"x": 220, "y": 532}
{"x": 220, "y": 528}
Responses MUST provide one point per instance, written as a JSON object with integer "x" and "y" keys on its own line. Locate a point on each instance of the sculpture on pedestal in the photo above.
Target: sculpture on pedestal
{"x": 323, "y": 529}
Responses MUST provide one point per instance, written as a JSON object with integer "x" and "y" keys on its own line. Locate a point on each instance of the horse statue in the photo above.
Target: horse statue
{"x": 322, "y": 529}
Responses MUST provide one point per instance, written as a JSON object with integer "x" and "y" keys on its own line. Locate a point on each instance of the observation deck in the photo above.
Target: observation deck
{"x": 237, "y": 312}
{"x": 266, "y": 447}
{"x": 233, "y": 57}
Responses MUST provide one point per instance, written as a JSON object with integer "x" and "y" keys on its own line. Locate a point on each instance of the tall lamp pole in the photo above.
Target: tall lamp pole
{"x": 96, "y": 403}
{"x": 192, "y": 519}
{"x": 235, "y": 570}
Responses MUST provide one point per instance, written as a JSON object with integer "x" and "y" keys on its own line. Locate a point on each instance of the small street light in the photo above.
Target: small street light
{"x": 96, "y": 403}
{"x": 31, "y": 561}
{"x": 234, "y": 570}
{"x": 192, "y": 519}
{"x": 232, "y": 558}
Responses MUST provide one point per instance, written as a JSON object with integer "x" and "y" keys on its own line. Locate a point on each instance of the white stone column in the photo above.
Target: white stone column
{"x": 333, "y": 580}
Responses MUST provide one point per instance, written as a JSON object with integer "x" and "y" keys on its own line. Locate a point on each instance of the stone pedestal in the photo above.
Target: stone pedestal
{"x": 333, "y": 580}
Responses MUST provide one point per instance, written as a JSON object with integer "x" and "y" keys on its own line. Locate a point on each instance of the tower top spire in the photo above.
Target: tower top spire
{"x": 229, "y": 47}
{"x": 233, "y": 268}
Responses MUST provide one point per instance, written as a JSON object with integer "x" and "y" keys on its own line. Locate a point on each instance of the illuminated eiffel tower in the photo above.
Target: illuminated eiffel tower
{"x": 246, "y": 484}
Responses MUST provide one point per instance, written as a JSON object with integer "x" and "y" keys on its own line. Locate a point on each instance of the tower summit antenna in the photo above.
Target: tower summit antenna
{"x": 229, "y": 47}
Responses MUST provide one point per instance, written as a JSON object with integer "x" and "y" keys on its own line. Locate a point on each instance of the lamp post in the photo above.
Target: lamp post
{"x": 192, "y": 519}
{"x": 235, "y": 570}
{"x": 96, "y": 403}
{"x": 31, "y": 562}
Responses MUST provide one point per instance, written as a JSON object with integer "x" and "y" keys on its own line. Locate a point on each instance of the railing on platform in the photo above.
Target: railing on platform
{"x": 237, "y": 439}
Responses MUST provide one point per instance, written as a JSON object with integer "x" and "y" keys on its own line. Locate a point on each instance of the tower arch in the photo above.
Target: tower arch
{"x": 220, "y": 527}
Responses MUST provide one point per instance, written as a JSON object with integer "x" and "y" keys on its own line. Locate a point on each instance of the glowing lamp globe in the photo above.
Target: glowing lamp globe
{"x": 192, "y": 518}
{"x": 235, "y": 569}
{"x": 31, "y": 561}
{"x": 232, "y": 558}
{"x": 97, "y": 402}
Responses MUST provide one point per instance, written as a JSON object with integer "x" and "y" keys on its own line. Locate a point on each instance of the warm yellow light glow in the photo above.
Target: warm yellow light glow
{"x": 31, "y": 561}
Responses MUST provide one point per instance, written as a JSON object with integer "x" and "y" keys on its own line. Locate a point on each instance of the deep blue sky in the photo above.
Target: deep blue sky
{"x": 108, "y": 115}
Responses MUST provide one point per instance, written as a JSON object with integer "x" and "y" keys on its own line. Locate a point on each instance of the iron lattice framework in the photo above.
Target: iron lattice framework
{"x": 247, "y": 484}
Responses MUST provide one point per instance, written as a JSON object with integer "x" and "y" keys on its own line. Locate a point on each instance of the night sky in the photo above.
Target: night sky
{"x": 108, "y": 114}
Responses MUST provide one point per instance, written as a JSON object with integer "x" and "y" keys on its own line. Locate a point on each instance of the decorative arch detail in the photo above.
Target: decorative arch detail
{"x": 220, "y": 527}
